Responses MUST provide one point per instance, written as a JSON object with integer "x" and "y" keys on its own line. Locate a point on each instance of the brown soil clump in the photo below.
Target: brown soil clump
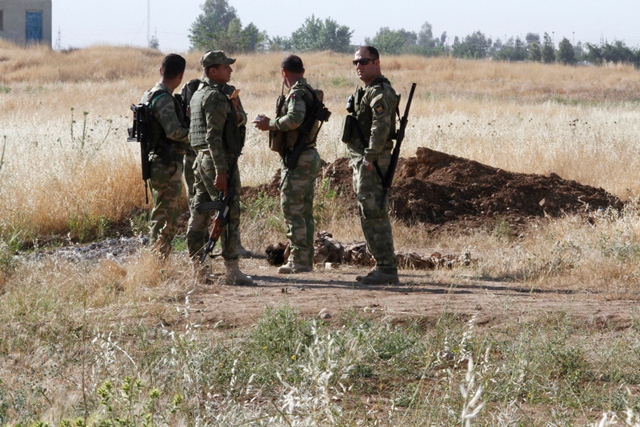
{"x": 440, "y": 190}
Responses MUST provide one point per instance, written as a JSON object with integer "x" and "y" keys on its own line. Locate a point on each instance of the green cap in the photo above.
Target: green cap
{"x": 215, "y": 57}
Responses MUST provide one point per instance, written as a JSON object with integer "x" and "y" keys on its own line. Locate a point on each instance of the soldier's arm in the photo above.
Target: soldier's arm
{"x": 216, "y": 108}
{"x": 382, "y": 116}
{"x": 296, "y": 109}
{"x": 165, "y": 112}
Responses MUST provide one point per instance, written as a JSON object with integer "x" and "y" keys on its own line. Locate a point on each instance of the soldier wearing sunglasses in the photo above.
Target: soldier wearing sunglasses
{"x": 368, "y": 132}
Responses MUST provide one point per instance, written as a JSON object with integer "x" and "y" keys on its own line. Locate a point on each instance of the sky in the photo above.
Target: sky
{"x": 81, "y": 23}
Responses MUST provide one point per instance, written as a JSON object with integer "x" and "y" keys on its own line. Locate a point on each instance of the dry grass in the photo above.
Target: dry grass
{"x": 67, "y": 165}
{"x": 68, "y": 168}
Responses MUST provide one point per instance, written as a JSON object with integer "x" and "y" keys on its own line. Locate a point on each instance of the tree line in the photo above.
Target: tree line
{"x": 219, "y": 27}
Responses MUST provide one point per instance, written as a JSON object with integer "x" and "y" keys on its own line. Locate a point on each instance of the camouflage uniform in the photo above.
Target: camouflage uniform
{"x": 375, "y": 108}
{"x": 169, "y": 138}
{"x": 296, "y": 195}
{"x": 189, "y": 161}
{"x": 216, "y": 136}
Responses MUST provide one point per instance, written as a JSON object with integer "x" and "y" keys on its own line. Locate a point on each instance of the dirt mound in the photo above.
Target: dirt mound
{"x": 435, "y": 189}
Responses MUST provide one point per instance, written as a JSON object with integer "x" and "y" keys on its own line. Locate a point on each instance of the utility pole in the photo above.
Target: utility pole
{"x": 59, "y": 40}
{"x": 148, "y": 21}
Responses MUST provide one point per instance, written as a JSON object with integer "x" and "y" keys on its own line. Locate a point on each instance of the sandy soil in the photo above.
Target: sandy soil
{"x": 326, "y": 294}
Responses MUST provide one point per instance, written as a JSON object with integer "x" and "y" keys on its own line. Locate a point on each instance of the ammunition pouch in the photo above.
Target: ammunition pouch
{"x": 349, "y": 129}
{"x": 277, "y": 141}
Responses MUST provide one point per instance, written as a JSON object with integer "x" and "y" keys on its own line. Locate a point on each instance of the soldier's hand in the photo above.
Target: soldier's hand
{"x": 367, "y": 164}
{"x": 261, "y": 122}
{"x": 221, "y": 182}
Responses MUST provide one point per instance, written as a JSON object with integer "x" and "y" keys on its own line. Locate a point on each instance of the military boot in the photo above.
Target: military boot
{"x": 233, "y": 274}
{"x": 378, "y": 277}
{"x": 360, "y": 277}
{"x": 292, "y": 267}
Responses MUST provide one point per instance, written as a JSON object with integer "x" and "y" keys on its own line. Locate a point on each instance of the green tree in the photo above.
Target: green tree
{"x": 566, "y": 54}
{"x": 512, "y": 50}
{"x": 532, "y": 38}
{"x": 425, "y": 36}
{"x": 316, "y": 35}
{"x": 535, "y": 54}
{"x": 548, "y": 50}
{"x": 279, "y": 43}
{"x": 474, "y": 46}
{"x": 211, "y": 26}
{"x": 428, "y": 45}
{"x": 219, "y": 27}
{"x": 253, "y": 38}
{"x": 393, "y": 42}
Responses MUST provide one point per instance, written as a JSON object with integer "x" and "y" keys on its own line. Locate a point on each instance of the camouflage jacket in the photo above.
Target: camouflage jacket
{"x": 215, "y": 124}
{"x": 168, "y": 122}
{"x": 375, "y": 110}
{"x": 296, "y": 104}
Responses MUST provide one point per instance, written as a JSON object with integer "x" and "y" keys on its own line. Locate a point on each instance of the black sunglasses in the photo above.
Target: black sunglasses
{"x": 363, "y": 61}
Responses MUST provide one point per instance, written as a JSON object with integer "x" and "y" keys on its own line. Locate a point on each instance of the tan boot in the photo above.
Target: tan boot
{"x": 378, "y": 277}
{"x": 292, "y": 267}
{"x": 234, "y": 276}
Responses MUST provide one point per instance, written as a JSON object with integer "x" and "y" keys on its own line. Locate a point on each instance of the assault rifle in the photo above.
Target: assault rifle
{"x": 139, "y": 132}
{"x": 222, "y": 204}
{"x": 395, "y": 154}
{"x": 318, "y": 112}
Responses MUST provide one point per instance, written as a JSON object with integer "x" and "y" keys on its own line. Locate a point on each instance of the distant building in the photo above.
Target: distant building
{"x": 26, "y": 21}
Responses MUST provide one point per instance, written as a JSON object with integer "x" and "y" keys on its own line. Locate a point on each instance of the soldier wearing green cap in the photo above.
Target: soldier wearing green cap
{"x": 217, "y": 135}
{"x": 297, "y": 189}
{"x": 369, "y": 131}
{"x": 168, "y": 141}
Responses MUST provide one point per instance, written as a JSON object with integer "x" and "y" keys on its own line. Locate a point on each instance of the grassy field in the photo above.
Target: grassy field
{"x": 108, "y": 344}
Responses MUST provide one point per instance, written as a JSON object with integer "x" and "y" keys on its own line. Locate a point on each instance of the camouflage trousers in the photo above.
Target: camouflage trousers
{"x": 296, "y": 201}
{"x": 166, "y": 190}
{"x": 373, "y": 209}
{"x": 205, "y": 191}
{"x": 189, "y": 179}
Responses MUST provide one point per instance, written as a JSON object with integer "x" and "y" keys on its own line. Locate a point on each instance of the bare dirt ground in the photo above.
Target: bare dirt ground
{"x": 325, "y": 294}
{"x": 442, "y": 193}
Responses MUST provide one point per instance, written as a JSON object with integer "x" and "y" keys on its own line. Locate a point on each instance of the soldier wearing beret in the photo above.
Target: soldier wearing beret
{"x": 369, "y": 131}
{"x": 297, "y": 187}
{"x": 168, "y": 141}
{"x": 217, "y": 135}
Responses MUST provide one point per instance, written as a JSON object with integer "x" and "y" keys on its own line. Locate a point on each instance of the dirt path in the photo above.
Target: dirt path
{"x": 327, "y": 294}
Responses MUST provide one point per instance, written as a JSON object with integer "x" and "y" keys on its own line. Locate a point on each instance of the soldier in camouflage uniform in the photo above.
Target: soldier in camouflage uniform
{"x": 217, "y": 136}
{"x": 186, "y": 93}
{"x": 297, "y": 190}
{"x": 369, "y": 131}
{"x": 168, "y": 141}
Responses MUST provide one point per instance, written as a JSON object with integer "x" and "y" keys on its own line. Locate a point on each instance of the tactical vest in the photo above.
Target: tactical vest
{"x": 363, "y": 111}
{"x": 158, "y": 141}
{"x": 309, "y": 98}
{"x": 232, "y": 135}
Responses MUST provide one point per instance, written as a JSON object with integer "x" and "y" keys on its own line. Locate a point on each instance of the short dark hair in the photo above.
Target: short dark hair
{"x": 206, "y": 70}
{"x": 372, "y": 51}
{"x": 173, "y": 65}
{"x": 292, "y": 63}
